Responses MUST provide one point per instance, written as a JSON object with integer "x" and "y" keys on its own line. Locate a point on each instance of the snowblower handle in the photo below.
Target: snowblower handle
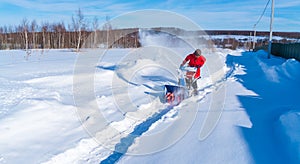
{"x": 188, "y": 69}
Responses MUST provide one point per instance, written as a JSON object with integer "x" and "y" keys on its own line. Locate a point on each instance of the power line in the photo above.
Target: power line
{"x": 263, "y": 13}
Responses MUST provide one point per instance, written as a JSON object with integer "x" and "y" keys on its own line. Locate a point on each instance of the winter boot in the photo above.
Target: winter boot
{"x": 195, "y": 92}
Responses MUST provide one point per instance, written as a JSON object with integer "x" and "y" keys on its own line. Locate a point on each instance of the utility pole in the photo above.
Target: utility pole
{"x": 271, "y": 32}
{"x": 254, "y": 37}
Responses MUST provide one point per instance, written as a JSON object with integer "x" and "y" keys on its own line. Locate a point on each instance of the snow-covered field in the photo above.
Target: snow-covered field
{"x": 42, "y": 120}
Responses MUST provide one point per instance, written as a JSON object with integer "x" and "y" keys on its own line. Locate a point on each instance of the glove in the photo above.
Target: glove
{"x": 181, "y": 67}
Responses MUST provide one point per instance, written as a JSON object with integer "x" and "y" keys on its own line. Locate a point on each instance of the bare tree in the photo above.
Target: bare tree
{"x": 70, "y": 36}
{"x": 24, "y": 26}
{"x": 95, "y": 28}
{"x": 107, "y": 26}
{"x": 52, "y": 35}
{"x": 78, "y": 25}
{"x": 33, "y": 28}
{"x": 44, "y": 27}
{"x": 56, "y": 35}
{"x": 2, "y": 46}
{"x": 63, "y": 31}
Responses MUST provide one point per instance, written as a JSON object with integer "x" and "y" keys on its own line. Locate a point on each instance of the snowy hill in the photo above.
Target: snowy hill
{"x": 40, "y": 120}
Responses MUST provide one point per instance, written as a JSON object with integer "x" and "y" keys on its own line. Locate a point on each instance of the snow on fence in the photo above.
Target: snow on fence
{"x": 291, "y": 50}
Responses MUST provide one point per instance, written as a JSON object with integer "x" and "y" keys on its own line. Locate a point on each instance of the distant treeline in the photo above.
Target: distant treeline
{"x": 59, "y": 39}
{"x": 88, "y": 33}
{"x": 30, "y": 35}
{"x": 81, "y": 32}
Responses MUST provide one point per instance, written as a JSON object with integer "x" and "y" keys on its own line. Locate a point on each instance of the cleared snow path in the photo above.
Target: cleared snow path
{"x": 122, "y": 147}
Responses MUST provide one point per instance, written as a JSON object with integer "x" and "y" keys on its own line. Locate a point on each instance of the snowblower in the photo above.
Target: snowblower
{"x": 174, "y": 94}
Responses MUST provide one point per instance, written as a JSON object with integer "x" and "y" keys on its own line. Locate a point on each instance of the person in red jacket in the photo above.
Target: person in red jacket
{"x": 197, "y": 60}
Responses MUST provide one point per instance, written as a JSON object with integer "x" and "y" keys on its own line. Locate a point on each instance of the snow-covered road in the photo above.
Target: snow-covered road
{"x": 40, "y": 123}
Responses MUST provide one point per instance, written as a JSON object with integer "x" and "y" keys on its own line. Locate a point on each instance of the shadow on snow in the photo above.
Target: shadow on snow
{"x": 272, "y": 100}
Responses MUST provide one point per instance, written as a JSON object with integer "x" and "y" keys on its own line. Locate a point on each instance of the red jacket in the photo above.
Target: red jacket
{"x": 194, "y": 61}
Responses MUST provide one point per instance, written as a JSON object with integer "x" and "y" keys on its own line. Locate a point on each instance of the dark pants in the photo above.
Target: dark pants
{"x": 190, "y": 83}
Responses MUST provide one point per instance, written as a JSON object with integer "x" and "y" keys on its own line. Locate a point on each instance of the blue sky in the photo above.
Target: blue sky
{"x": 209, "y": 14}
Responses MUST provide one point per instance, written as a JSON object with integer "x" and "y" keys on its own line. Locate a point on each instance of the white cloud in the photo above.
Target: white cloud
{"x": 231, "y": 14}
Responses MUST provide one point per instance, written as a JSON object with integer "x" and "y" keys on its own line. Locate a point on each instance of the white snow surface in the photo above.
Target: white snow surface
{"x": 39, "y": 122}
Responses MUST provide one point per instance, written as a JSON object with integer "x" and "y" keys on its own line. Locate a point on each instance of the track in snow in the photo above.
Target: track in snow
{"x": 122, "y": 147}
